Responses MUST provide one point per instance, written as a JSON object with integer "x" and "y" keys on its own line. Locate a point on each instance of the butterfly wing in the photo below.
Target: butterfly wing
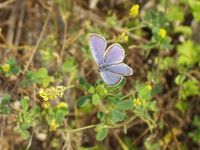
{"x": 114, "y": 54}
{"x": 110, "y": 78}
{"x": 121, "y": 68}
{"x": 98, "y": 46}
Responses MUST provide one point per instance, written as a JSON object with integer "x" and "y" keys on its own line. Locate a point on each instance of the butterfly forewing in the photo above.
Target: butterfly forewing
{"x": 98, "y": 46}
{"x": 114, "y": 54}
{"x": 121, "y": 69}
{"x": 110, "y": 78}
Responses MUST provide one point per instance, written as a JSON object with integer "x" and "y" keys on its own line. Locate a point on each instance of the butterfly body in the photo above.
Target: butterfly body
{"x": 104, "y": 67}
{"x": 109, "y": 60}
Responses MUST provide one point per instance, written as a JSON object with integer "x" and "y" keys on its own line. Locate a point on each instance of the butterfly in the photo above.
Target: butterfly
{"x": 109, "y": 61}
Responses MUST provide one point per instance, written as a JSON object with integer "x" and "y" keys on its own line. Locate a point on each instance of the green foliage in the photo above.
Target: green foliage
{"x": 57, "y": 114}
{"x": 83, "y": 101}
{"x": 195, "y": 6}
{"x": 190, "y": 88}
{"x": 175, "y": 13}
{"x": 28, "y": 117}
{"x": 102, "y": 131}
{"x": 125, "y": 105}
{"x": 4, "y": 102}
{"x": 188, "y": 53}
{"x": 117, "y": 116}
{"x": 13, "y": 68}
{"x": 195, "y": 135}
{"x": 179, "y": 79}
{"x": 40, "y": 77}
{"x": 144, "y": 104}
{"x": 96, "y": 100}
{"x": 182, "y": 106}
{"x": 47, "y": 47}
{"x": 155, "y": 19}
{"x": 69, "y": 65}
{"x": 111, "y": 21}
{"x": 165, "y": 63}
{"x": 183, "y": 29}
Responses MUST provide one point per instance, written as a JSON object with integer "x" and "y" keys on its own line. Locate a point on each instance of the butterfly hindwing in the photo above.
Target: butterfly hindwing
{"x": 98, "y": 46}
{"x": 121, "y": 68}
{"x": 110, "y": 78}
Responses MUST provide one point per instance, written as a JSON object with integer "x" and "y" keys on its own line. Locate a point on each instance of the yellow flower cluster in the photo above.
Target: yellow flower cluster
{"x": 101, "y": 90}
{"x": 52, "y": 92}
{"x": 123, "y": 37}
{"x": 62, "y": 105}
{"x": 53, "y": 125}
{"x": 138, "y": 102}
{"x": 46, "y": 104}
{"x": 6, "y": 68}
{"x": 134, "y": 10}
{"x": 162, "y": 33}
{"x": 149, "y": 87}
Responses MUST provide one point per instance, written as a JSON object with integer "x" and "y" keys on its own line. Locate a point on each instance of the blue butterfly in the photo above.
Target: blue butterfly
{"x": 109, "y": 60}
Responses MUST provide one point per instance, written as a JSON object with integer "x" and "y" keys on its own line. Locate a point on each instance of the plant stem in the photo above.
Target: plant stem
{"x": 137, "y": 27}
{"x": 80, "y": 129}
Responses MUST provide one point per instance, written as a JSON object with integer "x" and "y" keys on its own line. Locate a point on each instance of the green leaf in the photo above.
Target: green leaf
{"x": 25, "y": 126}
{"x": 4, "y": 110}
{"x": 35, "y": 111}
{"x": 179, "y": 79}
{"x": 188, "y": 53}
{"x": 83, "y": 101}
{"x": 69, "y": 65}
{"x": 13, "y": 66}
{"x": 120, "y": 85}
{"x": 91, "y": 90}
{"x": 156, "y": 19}
{"x": 25, "y": 103}
{"x": 183, "y": 29}
{"x": 101, "y": 133}
{"x": 101, "y": 116}
{"x": 111, "y": 21}
{"x": 182, "y": 106}
{"x": 6, "y": 99}
{"x": 117, "y": 116}
{"x": 96, "y": 99}
{"x": 42, "y": 77}
{"x": 190, "y": 88}
{"x": 195, "y": 6}
{"x": 84, "y": 84}
{"x": 125, "y": 105}
{"x": 175, "y": 13}
{"x": 25, "y": 134}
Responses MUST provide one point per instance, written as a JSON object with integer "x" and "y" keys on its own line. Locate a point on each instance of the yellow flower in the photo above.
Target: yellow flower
{"x": 6, "y": 68}
{"x": 46, "y": 105}
{"x": 162, "y": 33}
{"x": 53, "y": 125}
{"x": 134, "y": 10}
{"x": 137, "y": 102}
{"x": 123, "y": 37}
{"x": 62, "y": 105}
{"x": 149, "y": 87}
{"x": 52, "y": 92}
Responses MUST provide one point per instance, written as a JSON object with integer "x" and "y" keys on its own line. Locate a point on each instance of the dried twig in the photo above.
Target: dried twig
{"x": 38, "y": 42}
{"x": 6, "y": 3}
